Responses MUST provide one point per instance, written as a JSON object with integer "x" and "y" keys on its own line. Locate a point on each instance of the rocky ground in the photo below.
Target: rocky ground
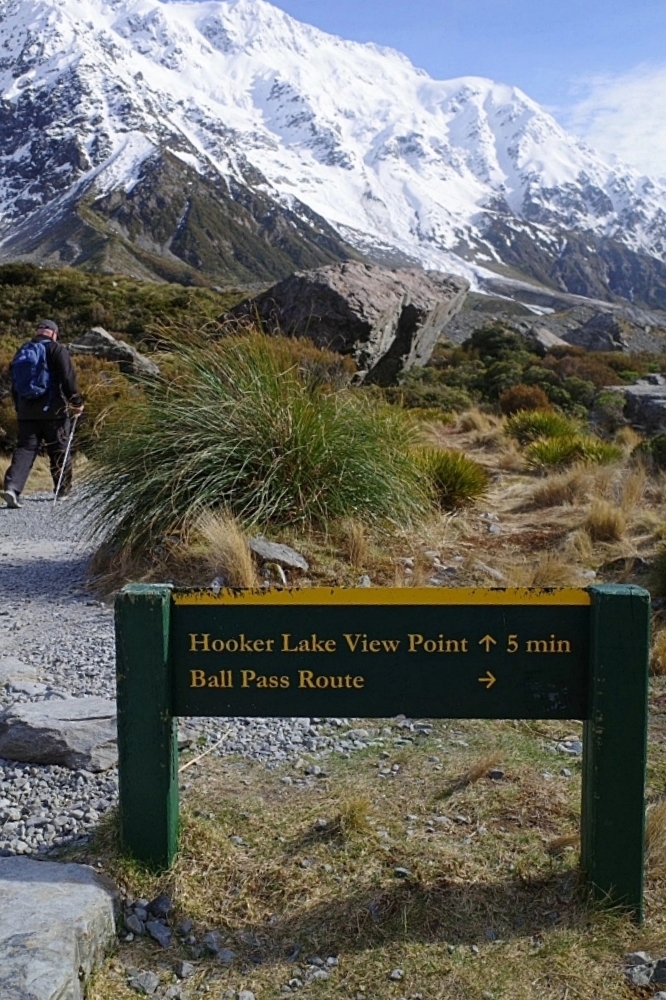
{"x": 63, "y": 638}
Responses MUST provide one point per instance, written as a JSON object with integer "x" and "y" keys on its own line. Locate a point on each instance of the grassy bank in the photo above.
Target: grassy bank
{"x": 492, "y": 906}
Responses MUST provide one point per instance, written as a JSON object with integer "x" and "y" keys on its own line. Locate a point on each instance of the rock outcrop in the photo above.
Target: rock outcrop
{"x": 645, "y": 403}
{"x": 74, "y": 732}
{"x": 101, "y": 344}
{"x": 387, "y": 320}
{"x": 56, "y": 923}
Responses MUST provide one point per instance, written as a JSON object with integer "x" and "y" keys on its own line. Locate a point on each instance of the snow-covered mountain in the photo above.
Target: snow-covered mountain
{"x": 207, "y": 133}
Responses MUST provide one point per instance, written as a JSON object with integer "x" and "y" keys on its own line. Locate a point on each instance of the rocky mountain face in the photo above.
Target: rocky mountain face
{"x": 227, "y": 139}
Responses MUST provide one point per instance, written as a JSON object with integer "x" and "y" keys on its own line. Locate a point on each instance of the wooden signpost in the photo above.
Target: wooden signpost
{"x": 376, "y": 653}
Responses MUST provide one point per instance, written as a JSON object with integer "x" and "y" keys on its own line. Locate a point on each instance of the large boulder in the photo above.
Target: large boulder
{"x": 73, "y": 732}
{"x": 645, "y": 403}
{"x": 602, "y": 332}
{"x": 56, "y": 923}
{"x": 387, "y": 321}
{"x": 101, "y": 344}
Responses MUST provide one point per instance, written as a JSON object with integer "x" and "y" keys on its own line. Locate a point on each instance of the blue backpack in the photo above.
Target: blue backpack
{"x": 30, "y": 371}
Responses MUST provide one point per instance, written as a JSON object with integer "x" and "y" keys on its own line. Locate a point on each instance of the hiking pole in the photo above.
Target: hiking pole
{"x": 64, "y": 464}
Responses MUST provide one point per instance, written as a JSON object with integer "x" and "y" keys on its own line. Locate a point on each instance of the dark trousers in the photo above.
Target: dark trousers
{"x": 31, "y": 433}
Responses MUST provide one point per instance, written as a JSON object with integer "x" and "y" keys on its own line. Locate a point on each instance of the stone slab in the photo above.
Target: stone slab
{"x": 73, "y": 732}
{"x": 56, "y": 923}
{"x": 13, "y": 669}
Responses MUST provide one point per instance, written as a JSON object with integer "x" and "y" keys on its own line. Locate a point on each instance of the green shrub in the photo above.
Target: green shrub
{"x": 240, "y": 427}
{"x": 530, "y": 425}
{"x": 425, "y": 387}
{"x": 608, "y": 411}
{"x": 523, "y": 397}
{"x": 457, "y": 479}
{"x": 557, "y": 452}
{"x": 652, "y": 452}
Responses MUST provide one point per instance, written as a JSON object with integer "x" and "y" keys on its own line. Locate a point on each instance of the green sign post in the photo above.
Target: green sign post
{"x": 426, "y": 653}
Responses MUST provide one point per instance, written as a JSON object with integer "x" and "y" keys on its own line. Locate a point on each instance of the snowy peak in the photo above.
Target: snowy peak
{"x": 454, "y": 174}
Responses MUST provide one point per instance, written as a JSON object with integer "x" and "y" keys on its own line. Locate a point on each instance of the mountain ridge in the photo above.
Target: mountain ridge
{"x": 358, "y": 152}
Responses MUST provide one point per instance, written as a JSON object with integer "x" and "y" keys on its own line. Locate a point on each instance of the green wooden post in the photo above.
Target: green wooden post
{"x": 615, "y": 746}
{"x": 147, "y": 737}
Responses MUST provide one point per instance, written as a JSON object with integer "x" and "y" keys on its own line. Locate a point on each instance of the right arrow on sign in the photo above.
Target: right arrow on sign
{"x": 487, "y": 641}
{"x": 488, "y": 680}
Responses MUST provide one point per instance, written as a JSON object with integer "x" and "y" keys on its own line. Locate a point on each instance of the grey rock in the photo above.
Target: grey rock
{"x": 77, "y": 733}
{"x": 602, "y": 332}
{"x": 644, "y": 405}
{"x": 186, "y": 927}
{"x": 364, "y": 581}
{"x": 639, "y": 975}
{"x": 13, "y": 670}
{"x": 637, "y": 958}
{"x": 397, "y": 975}
{"x": 283, "y": 555}
{"x": 387, "y": 320}
{"x": 402, "y": 872}
{"x": 496, "y": 773}
{"x": 160, "y": 906}
{"x": 573, "y": 748}
{"x": 226, "y": 956}
{"x": 56, "y": 923}
{"x": 184, "y": 970}
{"x": 134, "y": 924}
{"x": 212, "y": 942}
{"x": 659, "y": 973}
{"x": 27, "y": 687}
{"x": 245, "y": 995}
{"x": 174, "y": 993}
{"x": 145, "y": 982}
{"x": 159, "y": 932}
{"x": 100, "y": 344}
{"x": 659, "y": 996}
{"x": 543, "y": 339}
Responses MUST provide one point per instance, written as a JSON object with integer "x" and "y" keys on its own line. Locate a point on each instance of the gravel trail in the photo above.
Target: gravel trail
{"x": 48, "y": 619}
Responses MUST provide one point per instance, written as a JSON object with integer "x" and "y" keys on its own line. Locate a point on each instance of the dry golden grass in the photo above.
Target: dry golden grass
{"x": 605, "y": 522}
{"x": 628, "y": 438}
{"x": 655, "y": 837}
{"x": 476, "y": 420}
{"x": 562, "y": 488}
{"x": 578, "y": 547}
{"x": 492, "y": 906}
{"x": 472, "y": 774}
{"x": 633, "y": 485}
{"x": 546, "y": 569}
{"x": 355, "y": 543}
{"x": 226, "y": 550}
{"x": 658, "y": 653}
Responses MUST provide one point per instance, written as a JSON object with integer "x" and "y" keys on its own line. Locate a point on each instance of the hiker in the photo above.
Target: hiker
{"x": 45, "y": 395}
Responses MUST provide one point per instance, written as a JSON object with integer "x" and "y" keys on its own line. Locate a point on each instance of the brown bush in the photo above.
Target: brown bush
{"x": 523, "y": 397}
{"x": 590, "y": 369}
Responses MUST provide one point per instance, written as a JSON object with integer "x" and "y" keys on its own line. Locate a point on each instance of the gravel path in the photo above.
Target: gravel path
{"x": 49, "y": 620}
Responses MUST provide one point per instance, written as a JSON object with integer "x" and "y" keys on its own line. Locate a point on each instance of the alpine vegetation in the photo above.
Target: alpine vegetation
{"x": 457, "y": 480}
{"x": 242, "y": 427}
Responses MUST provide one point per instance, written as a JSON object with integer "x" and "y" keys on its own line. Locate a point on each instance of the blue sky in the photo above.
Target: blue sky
{"x": 600, "y": 67}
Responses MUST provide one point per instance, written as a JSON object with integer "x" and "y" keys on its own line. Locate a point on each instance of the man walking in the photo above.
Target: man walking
{"x": 45, "y": 395}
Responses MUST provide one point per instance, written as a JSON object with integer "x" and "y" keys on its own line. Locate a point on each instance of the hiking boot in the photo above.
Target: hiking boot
{"x": 11, "y": 499}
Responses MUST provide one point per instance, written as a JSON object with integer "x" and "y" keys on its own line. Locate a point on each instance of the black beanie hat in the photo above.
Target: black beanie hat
{"x": 48, "y": 324}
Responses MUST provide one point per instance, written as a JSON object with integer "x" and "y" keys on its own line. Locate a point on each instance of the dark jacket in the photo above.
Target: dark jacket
{"x": 64, "y": 388}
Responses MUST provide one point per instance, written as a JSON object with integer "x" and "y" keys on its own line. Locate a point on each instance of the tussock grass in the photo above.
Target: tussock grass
{"x": 566, "y": 488}
{"x": 658, "y": 654}
{"x": 547, "y": 569}
{"x": 355, "y": 540}
{"x": 632, "y": 489}
{"x": 558, "y": 452}
{"x": 457, "y": 480}
{"x": 241, "y": 427}
{"x": 605, "y": 522}
{"x": 527, "y": 426}
{"x": 476, "y": 420}
{"x": 578, "y": 546}
{"x": 655, "y": 837}
{"x": 226, "y": 550}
